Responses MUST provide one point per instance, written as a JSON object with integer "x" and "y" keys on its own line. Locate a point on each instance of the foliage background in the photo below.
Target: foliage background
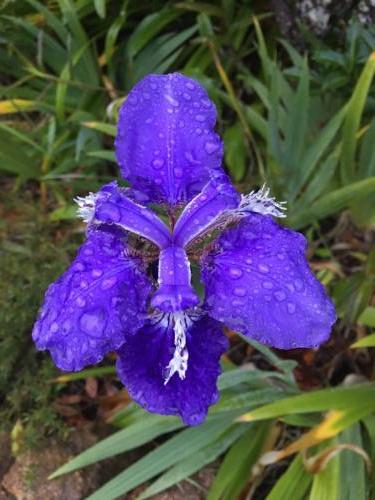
{"x": 296, "y": 110}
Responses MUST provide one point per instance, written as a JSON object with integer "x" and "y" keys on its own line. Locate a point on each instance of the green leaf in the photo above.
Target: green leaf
{"x": 148, "y": 28}
{"x": 332, "y": 202}
{"x": 234, "y": 470}
{"x": 368, "y": 316}
{"x": 352, "y": 467}
{"x": 326, "y": 484}
{"x": 66, "y": 212}
{"x": 190, "y": 465}
{"x": 293, "y": 484}
{"x": 235, "y": 151}
{"x": 145, "y": 429}
{"x": 353, "y": 120}
{"x": 161, "y": 458}
{"x": 100, "y": 7}
{"x": 106, "y": 128}
{"x": 326, "y": 399}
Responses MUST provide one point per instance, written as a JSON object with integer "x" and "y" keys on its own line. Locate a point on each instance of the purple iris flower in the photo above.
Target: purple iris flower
{"x": 255, "y": 274}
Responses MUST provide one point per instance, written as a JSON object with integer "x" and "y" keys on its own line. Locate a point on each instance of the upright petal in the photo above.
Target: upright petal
{"x": 258, "y": 282}
{"x": 95, "y": 305}
{"x": 143, "y": 361}
{"x": 112, "y": 206}
{"x": 166, "y": 144}
{"x": 217, "y": 196}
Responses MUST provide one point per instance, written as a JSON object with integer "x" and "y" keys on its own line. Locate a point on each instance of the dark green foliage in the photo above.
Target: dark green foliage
{"x": 33, "y": 253}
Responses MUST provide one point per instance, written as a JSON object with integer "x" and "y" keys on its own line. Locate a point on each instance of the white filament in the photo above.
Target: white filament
{"x": 262, "y": 203}
{"x": 86, "y": 206}
{"x": 179, "y": 362}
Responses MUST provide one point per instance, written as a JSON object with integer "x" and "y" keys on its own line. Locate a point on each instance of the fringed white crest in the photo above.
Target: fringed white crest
{"x": 262, "y": 203}
{"x": 86, "y": 206}
{"x": 181, "y": 321}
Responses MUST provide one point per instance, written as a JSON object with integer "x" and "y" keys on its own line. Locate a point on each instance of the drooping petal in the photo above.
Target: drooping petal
{"x": 217, "y": 196}
{"x": 258, "y": 283}
{"x": 95, "y": 305}
{"x": 166, "y": 144}
{"x": 143, "y": 362}
{"x": 175, "y": 292}
{"x": 112, "y": 206}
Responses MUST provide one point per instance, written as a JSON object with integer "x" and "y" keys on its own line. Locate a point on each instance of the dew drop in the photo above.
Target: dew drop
{"x": 54, "y": 327}
{"x": 298, "y": 284}
{"x": 235, "y": 272}
{"x": 267, "y": 285}
{"x": 93, "y": 322}
{"x": 108, "y": 211}
{"x": 200, "y": 118}
{"x": 291, "y": 308}
{"x": 263, "y": 268}
{"x": 211, "y": 147}
{"x": 178, "y": 172}
{"x": 80, "y": 301}
{"x": 206, "y": 102}
{"x": 88, "y": 251}
{"x": 133, "y": 99}
{"x": 79, "y": 266}
{"x": 181, "y": 124}
{"x": 172, "y": 100}
{"x": 186, "y": 96}
{"x": 239, "y": 291}
{"x": 190, "y": 85}
{"x": 280, "y": 295}
{"x": 158, "y": 181}
{"x": 96, "y": 273}
{"x": 198, "y": 131}
{"x": 108, "y": 283}
{"x": 158, "y": 163}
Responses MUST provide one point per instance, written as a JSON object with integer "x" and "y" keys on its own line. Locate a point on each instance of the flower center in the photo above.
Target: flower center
{"x": 179, "y": 362}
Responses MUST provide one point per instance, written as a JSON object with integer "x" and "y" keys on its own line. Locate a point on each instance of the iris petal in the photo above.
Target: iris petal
{"x": 166, "y": 145}
{"x": 142, "y": 366}
{"x": 258, "y": 283}
{"x": 217, "y": 196}
{"x": 112, "y": 206}
{"x": 95, "y": 305}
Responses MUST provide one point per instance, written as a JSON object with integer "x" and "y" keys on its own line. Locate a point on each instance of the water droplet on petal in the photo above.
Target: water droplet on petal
{"x": 79, "y": 266}
{"x": 211, "y": 147}
{"x": 172, "y": 100}
{"x": 158, "y": 163}
{"x": 80, "y": 301}
{"x": 235, "y": 272}
{"x": 133, "y": 99}
{"x": 198, "y": 131}
{"x": 298, "y": 284}
{"x": 190, "y": 85}
{"x": 263, "y": 268}
{"x": 280, "y": 295}
{"x": 291, "y": 308}
{"x": 54, "y": 327}
{"x": 178, "y": 172}
{"x": 109, "y": 212}
{"x": 186, "y": 96}
{"x": 93, "y": 322}
{"x": 108, "y": 283}
{"x": 96, "y": 273}
{"x": 268, "y": 285}
{"x": 200, "y": 118}
{"x": 239, "y": 291}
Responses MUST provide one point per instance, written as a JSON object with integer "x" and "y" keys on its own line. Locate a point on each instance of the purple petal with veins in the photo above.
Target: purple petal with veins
{"x": 258, "y": 282}
{"x": 217, "y": 196}
{"x": 142, "y": 365}
{"x": 95, "y": 305}
{"x": 114, "y": 207}
{"x": 166, "y": 144}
